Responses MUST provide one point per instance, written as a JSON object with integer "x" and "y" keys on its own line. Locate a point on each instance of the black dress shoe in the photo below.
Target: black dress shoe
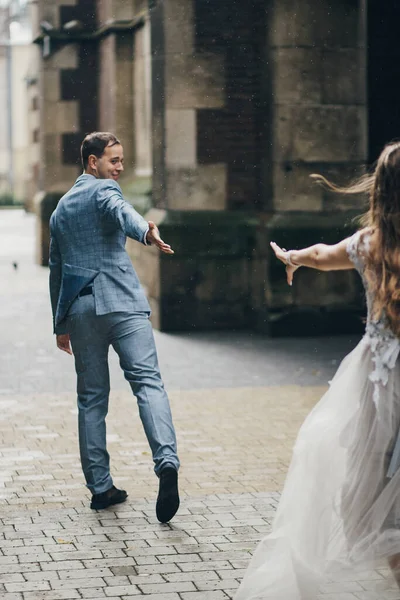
{"x": 108, "y": 498}
{"x": 168, "y": 495}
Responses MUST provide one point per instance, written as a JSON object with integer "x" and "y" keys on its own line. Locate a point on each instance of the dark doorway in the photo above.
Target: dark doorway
{"x": 383, "y": 64}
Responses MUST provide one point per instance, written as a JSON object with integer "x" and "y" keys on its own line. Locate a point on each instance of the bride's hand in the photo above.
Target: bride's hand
{"x": 281, "y": 254}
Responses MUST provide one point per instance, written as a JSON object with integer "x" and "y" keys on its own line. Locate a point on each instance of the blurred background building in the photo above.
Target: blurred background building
{"x": 16, "y": 68}
{"x": 224, "y": 109}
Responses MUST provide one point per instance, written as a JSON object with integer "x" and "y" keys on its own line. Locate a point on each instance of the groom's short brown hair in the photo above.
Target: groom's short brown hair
{"x": 95, "y": 143}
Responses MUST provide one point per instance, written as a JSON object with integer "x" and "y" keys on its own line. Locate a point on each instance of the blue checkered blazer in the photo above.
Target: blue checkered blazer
{"x": 88, "y": 232}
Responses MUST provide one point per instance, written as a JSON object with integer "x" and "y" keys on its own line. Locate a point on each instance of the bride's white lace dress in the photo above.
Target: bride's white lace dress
{"x": 339, "y": 514}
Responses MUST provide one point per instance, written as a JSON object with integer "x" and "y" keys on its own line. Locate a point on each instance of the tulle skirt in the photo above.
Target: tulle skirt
{"x": 339, "y": 515}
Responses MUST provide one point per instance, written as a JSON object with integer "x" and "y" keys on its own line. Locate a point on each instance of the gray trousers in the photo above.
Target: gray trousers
{"x": 131, "y": 336}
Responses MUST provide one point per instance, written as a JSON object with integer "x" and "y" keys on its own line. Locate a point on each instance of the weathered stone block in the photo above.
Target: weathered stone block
{"x": 124, "y": 10}
{"x": 195, "y": 81}
{"x": 277, "y": 294}
{"x": 314, "y": 23}
{"x": 56, "y": 175}
{"x": 181, "y": 138}
{"x": 61, "y": 177}
{"x": 51, "y": 149}
{"x": 158, "y": 158}
{"x": 296, "y": 75}
{"x": 61, "y": 117}
{"x": 327, "y": 289}
{"x": 179, "y": 27}
{"x": 300, "y": 229}
{"x": 343, "y": 76}
{"x": 282, "y": 132}
{"x": 65, "y": 58}
{"x": 208, "y": 281}
{"x": 293, "y": 188}
{"x": 203, "y": 188}
{"x": 328, "y": 133}
{"x": 51, "y": 79}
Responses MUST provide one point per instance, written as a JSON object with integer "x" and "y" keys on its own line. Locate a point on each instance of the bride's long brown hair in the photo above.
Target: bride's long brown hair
{"x": 383, "y": 220}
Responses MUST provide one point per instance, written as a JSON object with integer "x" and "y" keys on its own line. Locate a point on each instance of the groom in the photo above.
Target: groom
{"x": 97, "y": 301}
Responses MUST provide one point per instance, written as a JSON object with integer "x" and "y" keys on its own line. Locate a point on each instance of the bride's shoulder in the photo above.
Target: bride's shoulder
{"x": 359, "y": 246}
{"x": 362, "y": 239}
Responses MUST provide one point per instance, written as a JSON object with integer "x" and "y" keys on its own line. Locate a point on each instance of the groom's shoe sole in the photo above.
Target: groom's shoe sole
{"x": 168, "y": 495}
{"x": 106, "y": 499}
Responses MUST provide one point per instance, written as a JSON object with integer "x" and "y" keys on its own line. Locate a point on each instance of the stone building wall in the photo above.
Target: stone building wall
{"x": 318, "y": 124}
{"x": 223, "y": 114}
{"x": 248, "y": 100}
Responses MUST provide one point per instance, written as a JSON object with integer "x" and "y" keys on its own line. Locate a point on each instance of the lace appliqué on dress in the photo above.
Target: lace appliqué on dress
{"x": 385, "y": 346}
{"x": 357, "y": 247}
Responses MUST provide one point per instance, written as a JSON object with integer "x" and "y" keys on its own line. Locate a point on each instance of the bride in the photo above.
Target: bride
{"x": 338, "y": 521}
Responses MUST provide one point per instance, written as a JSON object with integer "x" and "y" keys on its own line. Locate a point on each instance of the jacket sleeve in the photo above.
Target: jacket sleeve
{"x": 118, "y": 212}
{"x": 55, "y": 278}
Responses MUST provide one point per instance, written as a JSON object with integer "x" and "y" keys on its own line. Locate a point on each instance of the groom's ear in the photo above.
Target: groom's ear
{"x": 92, "y": 161}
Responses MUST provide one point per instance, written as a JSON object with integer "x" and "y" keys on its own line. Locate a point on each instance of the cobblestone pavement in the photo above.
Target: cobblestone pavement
{"x": 237, "y": 399}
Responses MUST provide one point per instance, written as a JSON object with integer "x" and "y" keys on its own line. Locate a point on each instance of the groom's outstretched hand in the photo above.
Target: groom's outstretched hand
{"x": 63, "y": 343}
{"x": 153, "y": 237}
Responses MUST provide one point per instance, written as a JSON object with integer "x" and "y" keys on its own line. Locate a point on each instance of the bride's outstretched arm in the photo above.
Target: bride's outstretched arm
{"x": 320, "y": 256}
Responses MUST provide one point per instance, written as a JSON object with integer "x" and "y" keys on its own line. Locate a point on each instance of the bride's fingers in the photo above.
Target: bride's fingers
{"x": 278, "y": 251}
{"x": 289, "y": 273}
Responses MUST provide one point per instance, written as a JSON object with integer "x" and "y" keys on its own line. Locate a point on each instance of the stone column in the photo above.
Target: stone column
{"x": 116, "y": 93}
{"x": 142, "y": 121}
{"x": 199, "y": 173}
{"x": 318, "y": 124}
{"x": 116, "y": 86}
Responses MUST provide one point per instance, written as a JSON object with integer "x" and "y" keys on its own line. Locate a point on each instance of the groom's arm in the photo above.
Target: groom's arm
{"x": 55, "y": 276}
{"x": 121, "y": 214}
{"x": 118, "y": 212}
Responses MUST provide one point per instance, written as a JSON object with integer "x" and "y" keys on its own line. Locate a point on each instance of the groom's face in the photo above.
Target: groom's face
{"x": 111, "y": 164}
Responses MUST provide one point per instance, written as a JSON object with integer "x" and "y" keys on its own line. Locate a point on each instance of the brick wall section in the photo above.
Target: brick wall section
{"x": 233, "y": 135}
